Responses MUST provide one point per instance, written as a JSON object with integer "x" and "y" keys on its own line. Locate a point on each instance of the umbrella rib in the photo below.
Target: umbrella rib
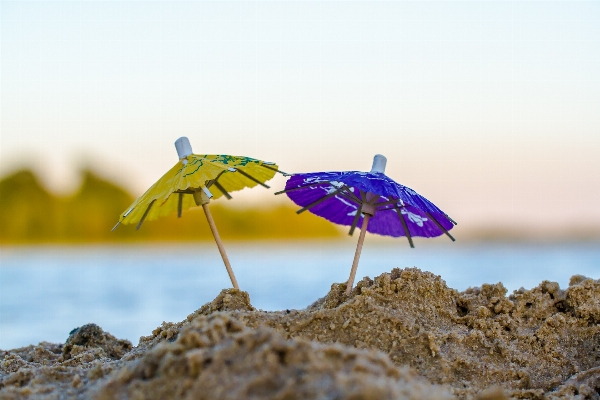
{"x": 441, "y": 227}
{"x": 451, "y": 220}
{"x": 274, "y": 169}
{"x": 355, "y": 221}
{"x": 145, "y": 214}
{"x": 385, "y": 203}
{"x": 362, "y": 195}
{"x": 299, "y": 187}
{"x": 222, "y": 189}
{"x": 213, "y": 181}
{"x": 179, "y": 205}
{"x": 349, "y": 192}
{"x": 319, "y": 201}
{"x": 405, "y": 226}
{"x": 124, "y": 216}
{"x": 350, "y": 198}
{"x": 251, "y": 178}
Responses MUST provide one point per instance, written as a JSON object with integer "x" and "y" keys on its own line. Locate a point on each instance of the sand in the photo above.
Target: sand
{"x": 403, "y": 335}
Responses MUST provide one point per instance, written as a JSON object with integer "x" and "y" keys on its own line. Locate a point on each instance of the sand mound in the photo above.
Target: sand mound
{"x": 404, "y": 334}
{"x": 91, "y": 336}
{"x": 218, "y": 357}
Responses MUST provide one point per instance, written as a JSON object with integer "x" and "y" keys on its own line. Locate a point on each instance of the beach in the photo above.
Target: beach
{"x": 403, "y": 334}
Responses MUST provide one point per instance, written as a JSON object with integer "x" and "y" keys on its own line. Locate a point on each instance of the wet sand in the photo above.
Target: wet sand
{"x": 403, "y": 335}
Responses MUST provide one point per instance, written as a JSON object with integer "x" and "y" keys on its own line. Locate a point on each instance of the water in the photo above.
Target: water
{"x": 45, "y": 292}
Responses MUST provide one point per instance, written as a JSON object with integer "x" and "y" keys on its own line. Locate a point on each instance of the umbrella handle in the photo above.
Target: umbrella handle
{"x": 361, "y": 238}
{"x": 220, "y": 246}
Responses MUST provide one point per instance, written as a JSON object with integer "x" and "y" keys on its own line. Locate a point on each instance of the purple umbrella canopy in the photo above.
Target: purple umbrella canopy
{"x": 343, "y": 197}
{"x": 356, "y": 198}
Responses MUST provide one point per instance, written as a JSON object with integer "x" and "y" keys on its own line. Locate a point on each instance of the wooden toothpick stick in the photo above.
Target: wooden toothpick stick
{"x": 361, "y": 238}
{"x": 215, "y": 233}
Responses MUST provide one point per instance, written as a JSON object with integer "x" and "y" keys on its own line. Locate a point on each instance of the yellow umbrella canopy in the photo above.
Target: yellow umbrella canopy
{"x": 195, "y": 180}
{"x": 197, "y": 175}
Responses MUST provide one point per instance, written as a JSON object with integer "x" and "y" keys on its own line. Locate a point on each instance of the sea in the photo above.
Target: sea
{"x": 129, "y": 290}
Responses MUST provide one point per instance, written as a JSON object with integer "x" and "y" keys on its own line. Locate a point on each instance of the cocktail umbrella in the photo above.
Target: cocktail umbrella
{"x": 194, "y": 181}
{"x": 376, "y": 202}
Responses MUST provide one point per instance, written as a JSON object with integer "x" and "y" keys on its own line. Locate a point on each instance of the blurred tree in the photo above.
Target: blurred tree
{"x": 27, "y": 211}
{"x": 93, "y": 210}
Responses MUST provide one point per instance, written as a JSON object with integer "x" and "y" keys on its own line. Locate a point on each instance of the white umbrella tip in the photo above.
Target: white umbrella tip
{"x": 183, "y": 147}
{"x": 379, "y": 162}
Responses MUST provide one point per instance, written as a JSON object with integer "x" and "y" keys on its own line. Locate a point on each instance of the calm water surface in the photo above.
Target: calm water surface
{"x": 45, "y": 292}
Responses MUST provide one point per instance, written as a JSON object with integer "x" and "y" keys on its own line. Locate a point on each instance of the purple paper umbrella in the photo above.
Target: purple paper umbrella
{"x": 370, "y": 199}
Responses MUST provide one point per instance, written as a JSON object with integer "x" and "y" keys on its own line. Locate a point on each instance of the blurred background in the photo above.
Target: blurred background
{"x": 488, "y": 109}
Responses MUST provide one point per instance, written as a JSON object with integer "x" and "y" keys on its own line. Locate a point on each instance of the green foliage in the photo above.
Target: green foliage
{"x": 27, "y": 211}
{"x": 30, "y": 214}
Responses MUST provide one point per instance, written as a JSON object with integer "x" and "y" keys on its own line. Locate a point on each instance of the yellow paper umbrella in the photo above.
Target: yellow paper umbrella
{"x": 194, "y": 181}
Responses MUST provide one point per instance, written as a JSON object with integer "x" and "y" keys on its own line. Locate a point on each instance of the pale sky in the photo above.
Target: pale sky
{"x": 488, "y": 109}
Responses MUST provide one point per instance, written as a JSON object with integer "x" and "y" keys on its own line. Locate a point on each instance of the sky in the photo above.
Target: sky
{"x": 488, "y": 109}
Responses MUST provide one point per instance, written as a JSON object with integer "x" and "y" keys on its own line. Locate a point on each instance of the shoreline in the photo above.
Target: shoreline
{"x": 341, "y": 241}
